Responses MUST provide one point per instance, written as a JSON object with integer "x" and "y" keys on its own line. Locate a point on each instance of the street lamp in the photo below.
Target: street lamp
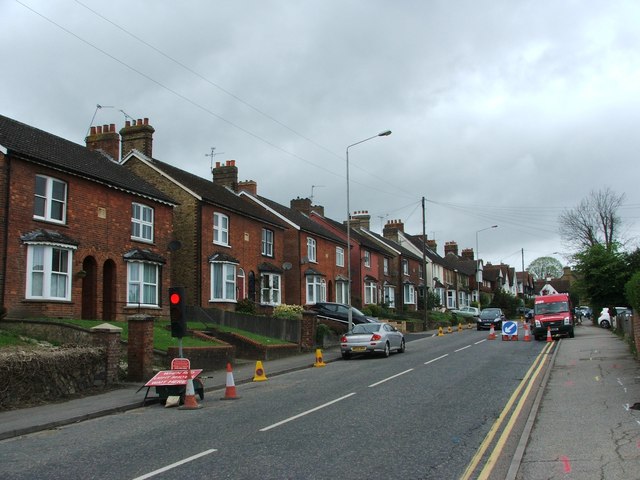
{"x": 478, "y": 270}
{"x": 386, "y": 133}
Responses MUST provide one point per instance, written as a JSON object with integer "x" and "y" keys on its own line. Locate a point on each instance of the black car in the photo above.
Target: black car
{"x": 491, "y": 316}
{"x": 340, "y": 312}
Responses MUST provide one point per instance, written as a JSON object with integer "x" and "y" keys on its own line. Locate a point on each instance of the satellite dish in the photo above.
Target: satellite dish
{"x": 174, "y": 245}
{"x": 287, "y": 266}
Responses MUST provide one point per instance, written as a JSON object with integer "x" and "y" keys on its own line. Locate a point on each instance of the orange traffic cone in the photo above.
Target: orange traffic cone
{"x": 190, "y": 402}
{"x": 549, "y": 339}
{"x": 319, "y": 361}
{"x": 492, "y": 333}
{"x": 527, "y": 333}
{"x": 259, "y": 375}
{"x": 230, "y": 390}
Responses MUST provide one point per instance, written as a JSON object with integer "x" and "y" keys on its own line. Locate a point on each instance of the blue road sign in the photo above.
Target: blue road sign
{"x": 510, "y": 328}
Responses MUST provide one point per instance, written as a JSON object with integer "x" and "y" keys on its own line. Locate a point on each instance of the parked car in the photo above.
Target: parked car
{"x": 340, "y": 312}
{"x": 467, "y": 312}
{"x": 372, "y": 338}
{"x": 605, "y": 320}
{"x": 490, "y": 316}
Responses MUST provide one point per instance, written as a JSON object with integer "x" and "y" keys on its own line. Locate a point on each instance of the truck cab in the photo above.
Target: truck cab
{"x": 552, "y": 312}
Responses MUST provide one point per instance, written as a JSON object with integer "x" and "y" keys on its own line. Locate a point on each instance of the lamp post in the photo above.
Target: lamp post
{"x": 478, "y": 270}
{"x": 350, "y": 313}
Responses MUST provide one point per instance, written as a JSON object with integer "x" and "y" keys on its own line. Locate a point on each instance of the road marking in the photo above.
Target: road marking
{"x": 176, "y": 464}
{"x": 389, "y": 378}
{"x": 463, "y": 348}
{"x": 480, "y": 341}
{"x": 436, "y": 359}
{"x": 305, "y": 413}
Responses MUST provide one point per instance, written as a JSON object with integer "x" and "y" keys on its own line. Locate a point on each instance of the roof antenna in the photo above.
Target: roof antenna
{"x": 312, "y": 187}
{"x": 212, "y": 155}
{"x": 126, "y": 115}
{"x": 98, "y": 107}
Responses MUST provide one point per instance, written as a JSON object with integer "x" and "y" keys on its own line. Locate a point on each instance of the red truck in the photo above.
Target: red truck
{"x": 554, "y": 312}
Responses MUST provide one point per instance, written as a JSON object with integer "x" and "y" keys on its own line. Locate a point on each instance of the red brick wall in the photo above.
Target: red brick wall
{"x": 103, "y": 237}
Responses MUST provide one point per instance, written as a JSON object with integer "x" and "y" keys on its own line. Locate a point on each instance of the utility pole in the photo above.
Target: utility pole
{"x": 425, "y": 288}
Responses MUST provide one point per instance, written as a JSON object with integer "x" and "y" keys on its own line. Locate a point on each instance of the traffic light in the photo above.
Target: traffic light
{"x": 177, "y": 312}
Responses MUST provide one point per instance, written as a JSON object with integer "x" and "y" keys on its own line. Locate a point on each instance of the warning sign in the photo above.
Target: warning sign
{"x": 172, "y": 377}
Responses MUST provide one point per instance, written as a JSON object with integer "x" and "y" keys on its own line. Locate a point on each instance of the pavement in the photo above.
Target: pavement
{"x": 585, "y": 422}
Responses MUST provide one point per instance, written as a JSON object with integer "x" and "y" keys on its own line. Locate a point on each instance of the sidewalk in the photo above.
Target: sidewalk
{"x": 14, "y": 423}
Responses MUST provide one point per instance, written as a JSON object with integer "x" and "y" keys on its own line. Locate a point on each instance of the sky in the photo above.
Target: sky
{"x": 503, "y": 112}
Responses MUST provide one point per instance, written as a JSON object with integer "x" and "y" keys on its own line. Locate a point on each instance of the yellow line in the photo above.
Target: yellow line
{"x": 491, "y": 462}
{"x": 496, "y": 425}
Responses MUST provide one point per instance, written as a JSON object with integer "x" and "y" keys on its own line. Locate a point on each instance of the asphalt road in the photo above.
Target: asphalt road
{"x": 421, "y": 414}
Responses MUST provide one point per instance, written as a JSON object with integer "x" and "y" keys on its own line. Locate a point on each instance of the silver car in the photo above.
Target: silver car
{"x": 371, "y": 338}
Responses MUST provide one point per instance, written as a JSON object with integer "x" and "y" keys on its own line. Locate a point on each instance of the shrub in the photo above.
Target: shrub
{"x": 632, "y": 291}
{"x": 246, "y": 306}
{"x": 292, "y": 312}
{"x": 321, "y": 331}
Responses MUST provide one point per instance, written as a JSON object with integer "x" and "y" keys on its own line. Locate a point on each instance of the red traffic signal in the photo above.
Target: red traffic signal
{"x": 177, "y": 312}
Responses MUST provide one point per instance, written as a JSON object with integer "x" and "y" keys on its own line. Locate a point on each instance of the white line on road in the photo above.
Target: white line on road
{"x": 463, "y": 348}
{"x": 174, "y": 465}
{"x": 480, "y": 341}
{"x": 305, "y": 413}
{"x": 436, "y": 359}
{"x": 389, "y": 378}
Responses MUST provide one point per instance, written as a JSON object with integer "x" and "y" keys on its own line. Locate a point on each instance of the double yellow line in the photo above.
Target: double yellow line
{"x": 529, "y": 380}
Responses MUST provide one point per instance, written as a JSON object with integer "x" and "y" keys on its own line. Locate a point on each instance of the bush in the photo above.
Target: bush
{"x": 632, "y": 291}
{"x": 246, "y": 306}
{"x": 321, "y": 331}
{"x": 291, "y": 312}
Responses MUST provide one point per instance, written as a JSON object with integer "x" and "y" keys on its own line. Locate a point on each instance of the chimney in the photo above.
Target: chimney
{"x": 392, "y": 228}
{"x": 249, "y": 186}
{"x": 361, "y": 219}
{"x": 302, "y": 205}
{"x": 104, "y": 139}
{"x": 432, "y": 245}
{"x": 137, "y": 135}
{"x": 451, "y": 247}
{"x": 467, "y": 253}
{"x": 226, "y": 175}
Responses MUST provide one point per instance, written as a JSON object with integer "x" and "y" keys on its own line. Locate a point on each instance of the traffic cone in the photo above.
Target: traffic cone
{"x": 459, "y": 327}
{"x": 449, "y": 329}
{"x": 440, "y": 333}
{"x": 319, "y": 361}
{"x": 527, "y": 333}
{"x": 230, "y": 390}
{"x": 190, "y": 402}
{"x": 492, "y": 333}
{"x": 549, "y": 338}
{"x": 259, "y": 375}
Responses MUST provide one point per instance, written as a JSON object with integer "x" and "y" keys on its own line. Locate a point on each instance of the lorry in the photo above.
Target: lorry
{"x": 554, "y": 313}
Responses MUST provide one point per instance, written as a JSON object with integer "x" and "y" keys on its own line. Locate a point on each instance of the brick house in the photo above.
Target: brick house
{"x": 226, "y": 248}
{"x": 316, "y": 266}
{"x": 82, "y": 237}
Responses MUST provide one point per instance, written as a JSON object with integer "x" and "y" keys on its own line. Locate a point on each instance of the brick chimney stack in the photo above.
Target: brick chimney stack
{"x": 392, "y": 228}
{"x": 432, "y": 244}
{"x": 302, "y": 205}
{"x": 137, "y": 135}
{"x": 249, "y": 186}
{"x": 104, "y": 139}
{"x": 451, "y": 247}
{"x": 226, "y": 175}
{"x": 467, "y": 254}
{"x": 361, "y": 219}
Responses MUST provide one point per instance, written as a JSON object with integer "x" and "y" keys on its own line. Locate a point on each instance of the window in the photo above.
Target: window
{"x": 342, "y": 292}
{"x": 270, "y": 288}
{"x": 451, "y": 299}
{"x": 223, "y": 282}
{"x": 267, "y": 242}
{"x": 142, "y": 284}
{"x": 316, "y": 289}
{"x": 370, "y": 293}
{"x": 367, "y": 258}
{"x": 420, "y": 271}
{"x": 390, "y": 295}
{"x": 48, "y": 274}
{"x": 311, "y": 249}
{"x": 385, "y": 265}
{"x": 220, "y": 229}
{"x": 405, "y": 267}
{"x": 142, "y": 222}
{"x": 409, "y": 294}
{"x": 339, "y": 256}
{"x": 50, "y": 202}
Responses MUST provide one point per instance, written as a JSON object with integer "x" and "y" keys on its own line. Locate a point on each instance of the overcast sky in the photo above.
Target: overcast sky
{"x": 503, "y": 112}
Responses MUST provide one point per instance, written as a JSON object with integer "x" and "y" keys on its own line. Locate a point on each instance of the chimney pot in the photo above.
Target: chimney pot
{"x": 113, "y": 127}
{"x": 146, "y": 121}
{"x": 127, "y": 123}
{"x": 93, "y": 131}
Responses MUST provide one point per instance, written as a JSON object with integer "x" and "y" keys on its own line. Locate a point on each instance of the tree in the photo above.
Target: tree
{"x": 543, "y": 267}
{"x": 594, "y": 221}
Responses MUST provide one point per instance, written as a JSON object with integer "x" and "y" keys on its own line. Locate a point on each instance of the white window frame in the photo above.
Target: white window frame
{"x": 390, "y": 295}
{"x": 312, "y": 249}
{"x": 141, "y": 224}
{"x": 220, "y": 229}
{"x": 49, "y": 202}
{"x": 41, "y": 261}
{"x": 367, "y": 258}
{"x": 451, "y": 299}
{"x": 385, "y": 265}
{"x": 316, "y": 289}
{"x": 339, "y": 257}
{"x": 267, "y": 242}
{"x": 342, "y": 291}
{"x": 405, "y": 266}
{"x": 142, "y": 284}
{"x": 226, "y": 290}
{"x": 370, "y": 293}
{"x": 270, "y": 288}
{"x": 409, "y": 293}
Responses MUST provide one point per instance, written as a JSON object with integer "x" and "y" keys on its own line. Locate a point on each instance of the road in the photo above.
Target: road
{"x": 423, "y": 414}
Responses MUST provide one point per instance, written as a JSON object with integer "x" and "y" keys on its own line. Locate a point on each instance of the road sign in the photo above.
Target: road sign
{"x": 172, "y": 377}
{"x": 510, "y": 328}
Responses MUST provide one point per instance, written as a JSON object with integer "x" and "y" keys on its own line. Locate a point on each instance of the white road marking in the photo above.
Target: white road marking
{"x": 176, "y": 464}
{"x": 389, "y": 378}
{"x": 463, "y": 348}
{"x": 480, "y": 341}
{"x": 305, "y": 413}
{"x": 436, "y": 359}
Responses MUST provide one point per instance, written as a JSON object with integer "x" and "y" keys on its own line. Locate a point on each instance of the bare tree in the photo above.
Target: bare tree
{"x": 594, "y": 221}
{"x": 543, "y": 267}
